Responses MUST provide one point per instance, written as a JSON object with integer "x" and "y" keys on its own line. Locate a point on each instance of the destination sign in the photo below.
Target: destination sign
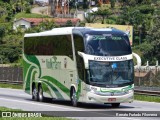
{"x": 113, "y": 58}
{"x": 105, "y": 58}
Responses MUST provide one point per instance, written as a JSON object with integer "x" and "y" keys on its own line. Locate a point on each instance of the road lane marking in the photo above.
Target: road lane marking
{"x": 12, "y": 89}
{"x": 9, "y": 100}
{"x": 39, "y": 104}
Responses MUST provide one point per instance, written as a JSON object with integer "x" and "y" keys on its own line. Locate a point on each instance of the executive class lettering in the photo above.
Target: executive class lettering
{"x": 110, "y": 58}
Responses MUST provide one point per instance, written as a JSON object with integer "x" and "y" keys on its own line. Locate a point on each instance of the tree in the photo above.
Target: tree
{"x": 2, "y": 11}
{"x": 28, "y": 9}
{"x": 90, "y": 18}
{"x": 47, "y": 25}
{"x": 154, "y": 36}
{"x": 103, "y": 13}
{"x": 68, "y": 23}
{"x": 86, "y": 4}
{"x": 53, "y": 7}
{"x": 139, "y": 17}
{"x": 2, "y": 33}
{"x": 112, "y": 3}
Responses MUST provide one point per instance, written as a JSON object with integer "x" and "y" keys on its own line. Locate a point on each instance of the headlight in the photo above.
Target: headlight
{"x": 91, "y": 89}
{"x": 94, "y": 89}
{"x": 130, "y": 91}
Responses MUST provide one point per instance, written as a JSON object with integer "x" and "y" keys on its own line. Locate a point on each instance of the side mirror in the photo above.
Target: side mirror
{"x": 85, "y": 59}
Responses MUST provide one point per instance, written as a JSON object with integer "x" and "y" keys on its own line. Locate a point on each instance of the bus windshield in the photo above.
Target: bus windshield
{"x": 111, "y": 73}
{"x": 107, "y": 45}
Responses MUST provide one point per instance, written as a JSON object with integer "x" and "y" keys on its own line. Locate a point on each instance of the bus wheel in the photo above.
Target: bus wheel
{"x": 74, "y": 98}
{"x": 40, "y": 94}
{"x": 115, "y": 105}
{"x": 34, "y": 93}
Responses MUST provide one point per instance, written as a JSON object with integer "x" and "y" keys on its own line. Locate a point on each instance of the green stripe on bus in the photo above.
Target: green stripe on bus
{"x": 115, "y": 91}
{"x": 29, "y": 78}
{"x": 58, "y": 84}
{"x": 54, "y": 89}
{"x": 34, "y": 59}
{"x": 46, "y": 88}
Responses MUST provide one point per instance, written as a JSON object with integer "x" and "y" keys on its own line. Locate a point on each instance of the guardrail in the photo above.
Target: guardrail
{"x": 147, "y": 92}
{"x": 12, "y": 75}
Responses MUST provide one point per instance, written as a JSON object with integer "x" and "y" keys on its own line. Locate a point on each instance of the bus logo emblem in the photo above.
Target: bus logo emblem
{"x": 112, "y": 93}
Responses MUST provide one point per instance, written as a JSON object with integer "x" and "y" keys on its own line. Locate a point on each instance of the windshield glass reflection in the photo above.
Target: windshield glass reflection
{"x": 107, "y": 45}
{"x": 111, "y": 73}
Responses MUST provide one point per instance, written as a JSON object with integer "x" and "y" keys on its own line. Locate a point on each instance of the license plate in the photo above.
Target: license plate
{"x": 111, "y": 99}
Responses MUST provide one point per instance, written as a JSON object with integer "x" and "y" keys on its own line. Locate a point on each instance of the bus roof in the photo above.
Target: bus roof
{"x": 69, "y": 30}
{"x": 55, "y": 31}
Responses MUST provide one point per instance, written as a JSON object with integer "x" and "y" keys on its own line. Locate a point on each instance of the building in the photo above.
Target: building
{"x": 41, "y": 2}
{"x": 26, "y": 23}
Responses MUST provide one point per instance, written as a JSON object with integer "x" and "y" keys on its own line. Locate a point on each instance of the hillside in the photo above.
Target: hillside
{"x": 144, "y": 15}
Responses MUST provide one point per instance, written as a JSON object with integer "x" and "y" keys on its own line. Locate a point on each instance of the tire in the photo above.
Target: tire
{"x": 40, "y": 94}
{"x": 74, "y": 98}
{"x": 34, "y": 93}
{"x": 115, "y": 105}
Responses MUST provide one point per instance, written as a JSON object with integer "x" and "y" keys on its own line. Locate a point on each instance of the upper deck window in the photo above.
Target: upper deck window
{"x": 49, "y": 45}
{"x": 107, "y": 44}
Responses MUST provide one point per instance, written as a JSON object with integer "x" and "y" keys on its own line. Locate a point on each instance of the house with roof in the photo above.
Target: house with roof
{"x": 26, "y": 23}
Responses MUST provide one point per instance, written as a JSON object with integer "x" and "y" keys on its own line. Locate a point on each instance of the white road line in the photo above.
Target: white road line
{"x": 25, "y": 102}
{"x": 45, "y": 105}
{"x": 130, "y": 118}
{"x": 12, "y": 89}
{"x": 38, "y": 104}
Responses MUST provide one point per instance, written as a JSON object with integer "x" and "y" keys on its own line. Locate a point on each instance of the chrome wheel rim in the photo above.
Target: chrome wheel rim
{"x": 34, "y": 93}
{"x": 74, "y": 98}
{"x": 40, "y": 94}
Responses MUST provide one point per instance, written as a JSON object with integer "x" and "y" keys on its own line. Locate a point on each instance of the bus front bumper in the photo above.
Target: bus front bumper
{"x": 94, "y": 98}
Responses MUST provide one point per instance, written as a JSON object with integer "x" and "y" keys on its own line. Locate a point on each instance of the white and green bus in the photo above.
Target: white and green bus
{"x": 79, "y": 64}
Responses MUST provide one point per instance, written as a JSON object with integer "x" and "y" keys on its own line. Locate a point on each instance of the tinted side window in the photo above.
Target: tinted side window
{"x": 49, "y": 45}
{"x": 79, "y": 46}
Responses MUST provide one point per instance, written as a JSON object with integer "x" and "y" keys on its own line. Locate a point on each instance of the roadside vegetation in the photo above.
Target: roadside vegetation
{"x": 13, "y": 86}
{"x": 8, "y": 109}
{"x": 136, "y": 96}
{"x": 30, "y": 15}
{"x": 147, "y": 98}
{"x": 143, "y": 15}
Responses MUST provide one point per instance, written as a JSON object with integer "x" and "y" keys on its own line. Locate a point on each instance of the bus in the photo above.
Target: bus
{"x": 79, "y": 64}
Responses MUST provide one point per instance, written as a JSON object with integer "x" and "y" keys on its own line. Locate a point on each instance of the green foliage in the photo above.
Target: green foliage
{"x": 13, "y": 86}
{"x": 154, "y": 38}
{"x": 147, "y": 98}
{"x": 28, "y": 9}
{"x": 68, "y": 23}
{"x": 104, "y": 13}
{"x": 85, "y": 4}
{"x": 112, "y": 3}
{"x": 146, "y": 1}
{"x": 90, "y": 18}
{"x": 82, "y": 24}
{"x": 2, "y": 31}
{"x": 47, "y": 25}
{"x": 10, "y": 54}
{"x": 43, "y": 26}
{"x": 146, "y": 9}
{"x": 143, "y": 15}
{"x": 29, "y": 15}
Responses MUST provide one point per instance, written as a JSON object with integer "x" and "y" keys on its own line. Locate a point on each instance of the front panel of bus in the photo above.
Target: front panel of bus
{"x": 109, "y": 72}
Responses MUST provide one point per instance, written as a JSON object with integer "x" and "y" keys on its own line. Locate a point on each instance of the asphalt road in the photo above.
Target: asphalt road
{"x": 18, "y": 99}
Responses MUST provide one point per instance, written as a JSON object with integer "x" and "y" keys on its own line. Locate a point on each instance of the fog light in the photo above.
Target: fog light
{"x": 90, "y": 98}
